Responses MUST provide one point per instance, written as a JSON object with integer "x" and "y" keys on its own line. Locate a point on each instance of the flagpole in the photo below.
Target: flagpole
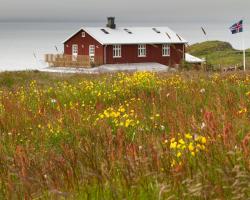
{"x": 244, "y": 52}
{"x": 243, "y": 45}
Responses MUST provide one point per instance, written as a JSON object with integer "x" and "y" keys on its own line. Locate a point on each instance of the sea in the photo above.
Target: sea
{"x": 23, "y": 44}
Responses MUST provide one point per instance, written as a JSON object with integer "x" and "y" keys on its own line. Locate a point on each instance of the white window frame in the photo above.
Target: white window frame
{"x": 166, "y": 50}
{"x": 117, "y": 51}
{"x": 142, "y": 50}
{"x": 75, "y": 49}
{"x": 91, "y": 50}
{"x": 83, "y": 34}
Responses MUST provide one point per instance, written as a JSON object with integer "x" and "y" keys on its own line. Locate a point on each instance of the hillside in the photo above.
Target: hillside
{"x": 219, "y": 53}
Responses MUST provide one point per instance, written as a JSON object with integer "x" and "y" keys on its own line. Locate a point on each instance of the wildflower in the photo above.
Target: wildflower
{"x": 202, "y": 90}
{"x": 191, "y": 147}
{"x": 203, "y": 125}
{"x": 193, "y": 153}
{"x": 242, "y": 111}
{"x": 101, "y": 116}
{"x": 203, "y": 140}
{"x": 188, "y": 136}
{"x": 181, "y": 141}
{"x": 173, "y": 163}
{"x": 179, "y": 154}
{"x": 53, "y": 100}
{"x": 173, "y": 145}
{"x": 157, "y": 115}
{"x": 172, "y": 140}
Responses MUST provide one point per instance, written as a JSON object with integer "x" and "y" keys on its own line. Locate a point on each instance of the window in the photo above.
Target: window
{"x": 74, "y": 49}
{"x": 142, "y": 50}
{"x": 117, "y": 51}
{"x": 91, "y": 50}
{"x": 83, "y": 34}
{"x": 165, "y": 50}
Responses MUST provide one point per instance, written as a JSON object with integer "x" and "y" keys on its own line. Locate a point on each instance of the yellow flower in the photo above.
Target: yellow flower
{"x": 181, "y": 141}
{"x": 172, "y": 140}
{"x": 173, "y": 145}
{"x": 203, "y": 140}
{"x": 179, "y": 154}
{"x": 101, "y": 116}
{"x": 203, "y": 147}
{"x": 193, "y": 153}
{"x": 191, "y": 147}
{"x": 243, "y": 110}
{"x": 188, "y": 136}
{"x": 173, "y": 163}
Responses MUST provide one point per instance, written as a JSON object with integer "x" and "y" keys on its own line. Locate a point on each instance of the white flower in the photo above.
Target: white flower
{"x": 53, "y": 100}
{"x": 202, "y": 90}
{"x": 203, "y": 125}
{"x": 162, "y": 127}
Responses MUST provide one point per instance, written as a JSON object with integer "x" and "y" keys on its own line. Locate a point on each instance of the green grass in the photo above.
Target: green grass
{"x": 219, "y": 53}
{"x": 124, "y": 136}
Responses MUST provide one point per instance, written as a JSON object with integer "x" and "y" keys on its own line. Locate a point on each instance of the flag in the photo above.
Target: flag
{"x": 203, "y": 30}
{"x": 237, "y": 27}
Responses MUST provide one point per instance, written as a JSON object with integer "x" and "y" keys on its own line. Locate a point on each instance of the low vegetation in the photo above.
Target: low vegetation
{"x": 219, "y": 54}
{"x": 124, "y": 136}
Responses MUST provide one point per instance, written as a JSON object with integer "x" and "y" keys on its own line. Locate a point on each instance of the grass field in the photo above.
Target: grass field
{"x": 125, "y": 136}
{"x": 219, "y": 54}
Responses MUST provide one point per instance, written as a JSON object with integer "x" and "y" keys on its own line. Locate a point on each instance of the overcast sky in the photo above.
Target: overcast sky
{"x": 124, "y": 10}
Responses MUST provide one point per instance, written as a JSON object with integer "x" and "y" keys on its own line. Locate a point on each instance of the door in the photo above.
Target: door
{"x": 74, "y": 52}
{"x": 92, "y": 53}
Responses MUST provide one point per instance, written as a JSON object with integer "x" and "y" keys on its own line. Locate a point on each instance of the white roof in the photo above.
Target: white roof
{"x": 192, "y": 59}
{"x": 137, "y": 35}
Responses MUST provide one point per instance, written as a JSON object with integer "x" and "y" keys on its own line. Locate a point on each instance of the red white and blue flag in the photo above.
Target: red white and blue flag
{"x": 237, "y": 27}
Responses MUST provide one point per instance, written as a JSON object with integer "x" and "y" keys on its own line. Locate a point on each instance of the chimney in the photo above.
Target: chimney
{"x": 111, "y": 22}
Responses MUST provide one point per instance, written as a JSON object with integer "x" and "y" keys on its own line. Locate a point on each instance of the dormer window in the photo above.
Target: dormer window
{"x": 83, "y": 34}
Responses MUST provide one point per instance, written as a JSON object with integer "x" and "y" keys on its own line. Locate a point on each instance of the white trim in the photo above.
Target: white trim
{"x": 117, "y": 51}
{"x": 74, "y": 49}
{"x": 142, "y": 50}
{"x": 166, "y": 51}
{"x": 83, "y": 34}
{"x": 91, "y": 50}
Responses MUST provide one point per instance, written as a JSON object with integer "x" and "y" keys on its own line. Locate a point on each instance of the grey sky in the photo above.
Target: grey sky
{"x": 124, "y": 10}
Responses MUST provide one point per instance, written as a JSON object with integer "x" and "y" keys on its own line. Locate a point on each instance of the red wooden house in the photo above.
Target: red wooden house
{"x": 116, "y": 45}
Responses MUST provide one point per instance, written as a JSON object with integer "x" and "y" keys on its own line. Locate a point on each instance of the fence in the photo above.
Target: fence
{"x": 62, "y": 60}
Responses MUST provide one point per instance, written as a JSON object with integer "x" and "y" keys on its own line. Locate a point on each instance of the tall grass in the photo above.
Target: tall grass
{"x": 125, "y": 136}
